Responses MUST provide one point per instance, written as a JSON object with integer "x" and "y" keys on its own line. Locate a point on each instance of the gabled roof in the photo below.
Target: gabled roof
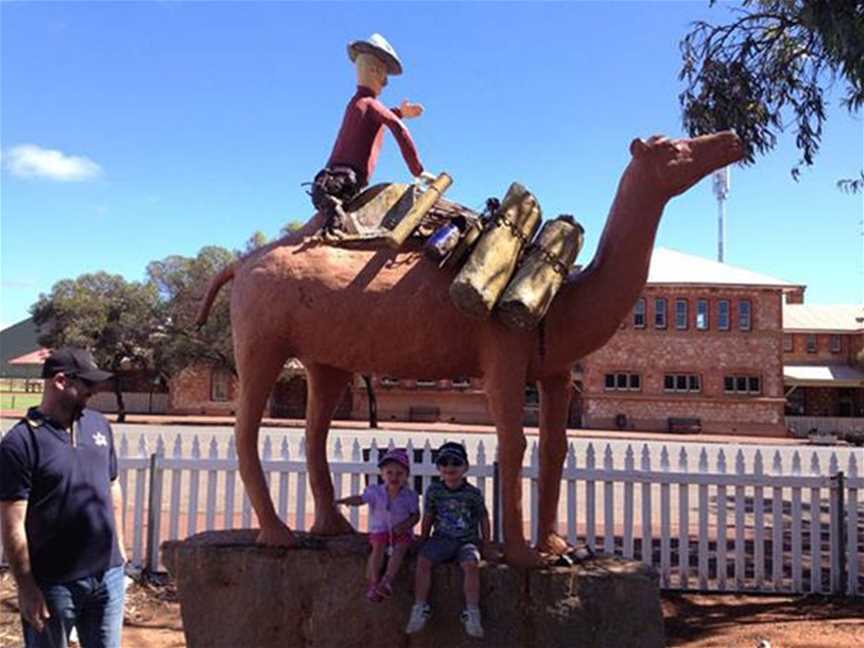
{"x": 673, "y": 267}
{"x": 15, "y": 341}
{"x": 837, "y": 318}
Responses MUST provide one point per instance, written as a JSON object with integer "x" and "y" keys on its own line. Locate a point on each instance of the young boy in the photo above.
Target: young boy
{"x": 458, "y": 514}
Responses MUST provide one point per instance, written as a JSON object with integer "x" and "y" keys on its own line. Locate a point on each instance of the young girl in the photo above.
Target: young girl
{"x": 393, "y": 511}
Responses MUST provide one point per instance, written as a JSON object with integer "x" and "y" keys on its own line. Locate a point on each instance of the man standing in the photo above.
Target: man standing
{"x": 60, "y": 507}
{"x": 355, "y": 152}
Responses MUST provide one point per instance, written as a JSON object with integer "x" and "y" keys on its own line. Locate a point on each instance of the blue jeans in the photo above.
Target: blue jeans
{"x": 93, "y": 605}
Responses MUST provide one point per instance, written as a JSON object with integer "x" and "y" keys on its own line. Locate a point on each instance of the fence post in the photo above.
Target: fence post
{"x": 496, "y": 501}
{"x": 838, "y": 528}
{"x": 154, "y": 509}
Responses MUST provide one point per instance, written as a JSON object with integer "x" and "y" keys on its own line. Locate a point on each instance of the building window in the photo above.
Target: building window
{"x": 836, "y": 344}
{"x": 461, "y": 383}
{"x": 660, "y": 312}
{"x": 742, "y": 384}
{"x": 745, "y": 319}
{"x": 682, "y": 383}
{"x": 389, "y": 381}
{"x": 702, "y": 315}
{"x": 811, "y": 344}
{"x": 220, "y": 383}
{"x": 788, "y": 345}
{"x": 681, "y": 313}
{"x": 723, "y": 314}
{"x": 427, "y": 384}
{"x": 639, "y": 313}
{"x": 623, "y": 382}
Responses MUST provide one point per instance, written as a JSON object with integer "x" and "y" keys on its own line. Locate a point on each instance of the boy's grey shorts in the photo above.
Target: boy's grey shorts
{"x": 438, "y": 550}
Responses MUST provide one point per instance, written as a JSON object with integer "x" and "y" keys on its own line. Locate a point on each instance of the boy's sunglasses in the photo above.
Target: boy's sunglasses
{"x": 451, "y": 461}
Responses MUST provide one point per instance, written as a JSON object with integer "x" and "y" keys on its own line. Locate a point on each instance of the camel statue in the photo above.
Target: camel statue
{"x": 343, "y": 311}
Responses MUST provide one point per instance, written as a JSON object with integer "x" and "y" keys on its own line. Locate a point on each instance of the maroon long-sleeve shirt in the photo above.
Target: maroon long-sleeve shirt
{"x": 362, "y": 133}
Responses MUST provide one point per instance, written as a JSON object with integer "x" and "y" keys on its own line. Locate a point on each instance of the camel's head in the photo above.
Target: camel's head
{"x": 679, "y": 164}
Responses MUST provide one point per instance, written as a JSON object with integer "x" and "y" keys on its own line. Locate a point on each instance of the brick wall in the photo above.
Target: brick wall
{"x": 823, "y": 354}
{"x": 711, "y": 354}
{"x": 190, "y": 392}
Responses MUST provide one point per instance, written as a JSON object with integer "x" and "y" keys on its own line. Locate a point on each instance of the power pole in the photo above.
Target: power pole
{"x": 721, "y": 190}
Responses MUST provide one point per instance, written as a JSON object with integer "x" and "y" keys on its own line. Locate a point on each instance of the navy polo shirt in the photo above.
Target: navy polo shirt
{"x": 67, "y": 485}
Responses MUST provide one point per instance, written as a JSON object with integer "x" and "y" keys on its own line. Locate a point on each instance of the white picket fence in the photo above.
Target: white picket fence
{"x": 733, "y": 526}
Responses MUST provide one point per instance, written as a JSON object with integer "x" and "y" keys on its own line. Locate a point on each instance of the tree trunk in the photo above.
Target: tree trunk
{"x": 121, "y": 406}
{"x": 373, "y": 404}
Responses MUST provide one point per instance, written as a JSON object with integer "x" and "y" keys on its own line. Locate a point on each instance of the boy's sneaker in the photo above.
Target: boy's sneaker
{"x": 471, "y": 620}
{"x": 420, "y": 613}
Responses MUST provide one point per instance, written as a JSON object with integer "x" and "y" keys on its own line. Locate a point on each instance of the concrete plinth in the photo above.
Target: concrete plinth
{"x": 234, "y": 593}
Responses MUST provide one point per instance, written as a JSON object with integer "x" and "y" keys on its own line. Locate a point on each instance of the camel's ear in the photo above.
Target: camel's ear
{"x": 638, "y": 148}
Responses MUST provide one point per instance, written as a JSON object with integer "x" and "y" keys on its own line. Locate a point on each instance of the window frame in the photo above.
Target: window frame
{"x": 688, "y": 379}
{"x": 836, "y": 344}
{"x": 644, "y": 313}
{"x": 736, "y": 379}
{"x": 745, "y": 312}
{"x": 707, "y": 314}
{"x": 788, "y": 343}
{"x": 812, "y": 348}
{"x": 622, "y": 381}
{"x": 679, "y": 325}
{"x": 720, "y": 315}
{"x": 220, "y": 379}
{"x": 661, "y": 312}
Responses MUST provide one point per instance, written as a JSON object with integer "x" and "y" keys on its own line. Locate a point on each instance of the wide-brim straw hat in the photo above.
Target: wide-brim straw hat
{"x": 378, "y": 46}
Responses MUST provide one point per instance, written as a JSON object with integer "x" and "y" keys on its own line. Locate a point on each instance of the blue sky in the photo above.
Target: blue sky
{"x": 179, "y": 125}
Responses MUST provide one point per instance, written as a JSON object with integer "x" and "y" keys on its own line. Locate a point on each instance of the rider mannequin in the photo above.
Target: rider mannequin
{"x": 355, "y": 152}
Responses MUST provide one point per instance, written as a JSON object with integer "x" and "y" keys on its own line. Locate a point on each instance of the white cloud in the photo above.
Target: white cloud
{"x": 32, "y": 161}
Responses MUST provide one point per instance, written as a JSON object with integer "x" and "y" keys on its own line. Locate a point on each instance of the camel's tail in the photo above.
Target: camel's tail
{"x": 226, "y": 275}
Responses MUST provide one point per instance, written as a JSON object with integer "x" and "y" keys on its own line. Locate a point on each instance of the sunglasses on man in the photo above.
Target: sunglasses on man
{"x": 446, "y": 462}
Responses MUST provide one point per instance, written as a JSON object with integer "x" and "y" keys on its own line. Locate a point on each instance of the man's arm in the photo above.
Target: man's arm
{"x": 352, "y": 500}
{"x": 30, "y": 599}
{"x": 403, "y": 137}
{"x": 117, "y": 499}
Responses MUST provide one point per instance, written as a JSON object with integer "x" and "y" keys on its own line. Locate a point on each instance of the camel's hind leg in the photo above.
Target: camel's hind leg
{"x": 326, "y": 388}
{"x": 258, "y": 366}
{"x": 554, "y": 409}
{"x": 504, "y": 384}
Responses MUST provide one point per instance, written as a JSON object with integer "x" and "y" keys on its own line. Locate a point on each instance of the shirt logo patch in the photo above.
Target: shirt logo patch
{"x": 100, "y": 439}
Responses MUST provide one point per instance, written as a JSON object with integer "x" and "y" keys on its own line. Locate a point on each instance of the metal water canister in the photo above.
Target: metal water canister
{"x": 545, "y": 267}
{"x": 482, "y": 279}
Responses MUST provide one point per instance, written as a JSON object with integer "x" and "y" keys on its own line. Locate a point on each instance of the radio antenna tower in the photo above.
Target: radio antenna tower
{"x": 721, "y": 190}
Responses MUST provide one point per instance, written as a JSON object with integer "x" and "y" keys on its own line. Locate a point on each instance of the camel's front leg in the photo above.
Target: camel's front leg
{"x": 505, "y": 390}
{"x": 554, "y": 410}
{"x": 326, "y": 388}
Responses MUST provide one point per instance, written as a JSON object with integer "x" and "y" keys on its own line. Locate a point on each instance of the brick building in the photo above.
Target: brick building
{"x": 702, "y": 349}
{"x": 822, "y": 348}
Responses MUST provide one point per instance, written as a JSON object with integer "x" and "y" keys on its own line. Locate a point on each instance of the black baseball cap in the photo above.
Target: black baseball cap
{"x": 72, "y": 361}
{"x": 452, "y": 449}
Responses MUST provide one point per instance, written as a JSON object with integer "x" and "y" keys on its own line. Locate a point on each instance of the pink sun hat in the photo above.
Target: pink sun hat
{"x": 397, "y": 455}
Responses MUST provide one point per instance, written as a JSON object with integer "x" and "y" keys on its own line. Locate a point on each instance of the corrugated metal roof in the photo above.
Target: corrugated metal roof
{"x": 820, "y": 317}
{"x": 673, "y": 267}
{"x": 823, "y": 375}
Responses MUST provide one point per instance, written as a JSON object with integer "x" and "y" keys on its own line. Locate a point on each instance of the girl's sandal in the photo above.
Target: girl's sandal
{"x": 373, "y": 595}
{"x": 384, "y": 589}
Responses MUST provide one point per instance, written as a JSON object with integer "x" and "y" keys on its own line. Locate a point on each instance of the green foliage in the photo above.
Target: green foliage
{"x": 770, "y": 66}
{"x": 112, "y": 317}
{"x": 181, "y": 283}
{"x": 290, "y": 228}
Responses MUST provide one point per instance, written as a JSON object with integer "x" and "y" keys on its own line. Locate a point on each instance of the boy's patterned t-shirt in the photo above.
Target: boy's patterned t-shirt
{"x": 457, "y": 512}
